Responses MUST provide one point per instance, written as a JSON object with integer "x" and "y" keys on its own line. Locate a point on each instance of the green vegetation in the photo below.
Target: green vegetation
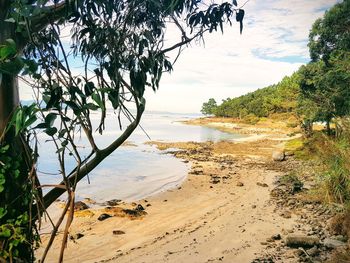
{"x": 279, "y": 98}
{"x": 209, "y": 107}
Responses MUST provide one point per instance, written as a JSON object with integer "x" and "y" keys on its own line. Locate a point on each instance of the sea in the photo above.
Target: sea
{"x": 135, "y": 170}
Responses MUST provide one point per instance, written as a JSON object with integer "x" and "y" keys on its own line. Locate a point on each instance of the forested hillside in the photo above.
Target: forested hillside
{"x": 278, "y": 98}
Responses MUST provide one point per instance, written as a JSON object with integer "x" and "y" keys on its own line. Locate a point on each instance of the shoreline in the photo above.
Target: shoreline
{"x": 222, "y": 212}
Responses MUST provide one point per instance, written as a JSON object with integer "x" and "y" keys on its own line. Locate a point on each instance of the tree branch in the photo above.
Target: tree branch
{"x": 100, "y": 155}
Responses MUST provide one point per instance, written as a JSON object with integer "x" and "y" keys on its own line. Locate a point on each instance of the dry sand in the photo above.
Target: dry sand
{"x": 219, "y": 214}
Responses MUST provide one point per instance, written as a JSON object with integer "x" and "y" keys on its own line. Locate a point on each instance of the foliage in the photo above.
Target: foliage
{"x": 14, "y": 217}
{"x": 209, "y": 108}
{"x": 279, "y": 98}
{"x": 330, "y": 33}
{"x": 336, "y": 158}
{"x": 325, "y": 88}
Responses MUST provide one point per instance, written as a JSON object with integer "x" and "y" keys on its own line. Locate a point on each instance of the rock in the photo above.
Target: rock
{"x": 333, "y": 243}
{"x": 253, "y": 206}
{"x": 76, "y": 236}
{"x": 197, "y": 171}
{"x": 139, "y": 207}
{"x": 215, "y": 179}
{"x": 103, "y": 217}
{"x": 301, "y": 241}
{"x": 113, "y": 202}
{"x": 313, "y": 251}
{"x": 286, "y": 214}
{"x": 78, "y": 206}
{"x": 276, "y": 237}
{"x": 291, "y": 202}
{"x": 262, "y": 184}
{"x": 118, "y": 232}
{"x": 278, "y": 156}
{"x": 240, "y": 184}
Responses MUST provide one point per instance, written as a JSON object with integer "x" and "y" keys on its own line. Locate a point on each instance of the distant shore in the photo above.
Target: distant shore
{"x": 223, "y": 212}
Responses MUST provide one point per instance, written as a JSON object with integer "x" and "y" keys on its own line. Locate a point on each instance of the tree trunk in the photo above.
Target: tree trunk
{"x": 328, "y": 127}
{"x": 9, "y": 97}
{"x": 16, "y": 197}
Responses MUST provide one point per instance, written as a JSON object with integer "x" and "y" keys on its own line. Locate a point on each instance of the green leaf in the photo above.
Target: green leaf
{"x": 5, "y": 232}
{"x": 98, "y": 100}
{"x": 8, "y": 50}
{"x": 3, "y": 211}
{"x": 30, "y": 121}
{"x": 91, "y": 106}
{"x": 51, "y": 131}
{"x": 19, "y": 122}
{"x": 50, "y": 119}
{"x": 1, "y": 190}
{"x": 41, "y": 126}
{"x": 4, "y": 148}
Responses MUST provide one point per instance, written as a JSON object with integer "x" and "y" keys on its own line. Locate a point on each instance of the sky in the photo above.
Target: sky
{"x": 273, "y": 45}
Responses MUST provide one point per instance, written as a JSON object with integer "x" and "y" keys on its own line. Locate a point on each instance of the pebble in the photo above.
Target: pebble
{"x": 78, "y": 206}
{"x": 103, "y": 217}
{"x": 118, "y": 232}
{"x": 240, "y": 184}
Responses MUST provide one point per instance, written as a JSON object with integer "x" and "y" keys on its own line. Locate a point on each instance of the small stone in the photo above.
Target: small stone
{"x": 286, "y": 214}
{"x": 113, "y": 202}
{"x": 333, "y": 243}
{"x": 197, "y": 171}
{"x": 313, "y": 251}
{"x": 239, "y": 184}
{"x": 278, "y": 156}
{"x": 148, "y": 205}
{"x": 301, "y": 241}
{"x": 262, "y": 184}
{"x": 139, "y": 207}
{"x": 78, "y": 206}
{"x": 291, "y": 202}
{"x": 76, "y": 236}
{"x": 253, "y": 206}
{"x": 118, "y": 232}
{"x": 103, "y": 217}
{"x": 270, "y": 240}
{"x": 276, "y": 237}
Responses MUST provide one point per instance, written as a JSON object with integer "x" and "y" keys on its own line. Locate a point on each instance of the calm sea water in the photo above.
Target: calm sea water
{"x": 134, "y": 172}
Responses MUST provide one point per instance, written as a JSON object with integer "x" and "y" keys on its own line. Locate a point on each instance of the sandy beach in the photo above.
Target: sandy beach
{"x": 231, "y": 208}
